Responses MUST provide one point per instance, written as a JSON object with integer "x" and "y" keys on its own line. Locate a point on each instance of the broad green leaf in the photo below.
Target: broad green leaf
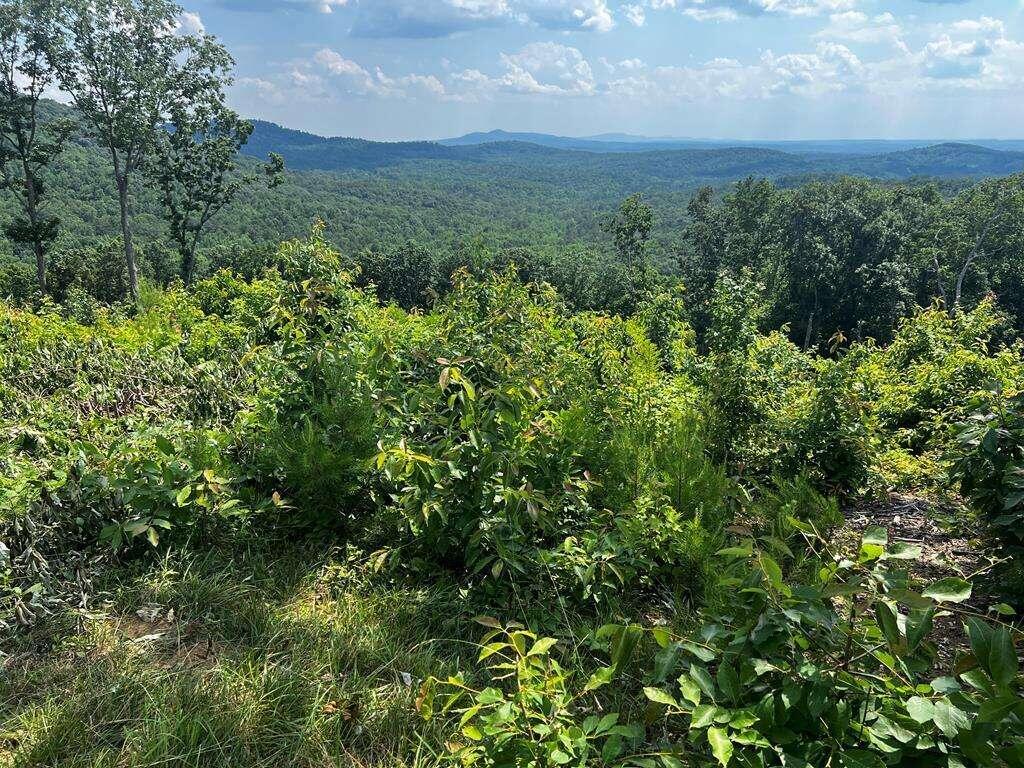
{"x": 886, "y": 621}
{"x": 949, "y": 590}
{"x": 728, "y": 681}
{"x": 921, "y": 710}
{"x": 995, "y": 710}
{"x": 703, "y": 716}
{"x": 542, "y": 646}
{"x": 703, "y": 679}
{"x": 660, "y": 697}
{"x": 950, "y": 719}
{"x": 1002, "y": 660}
{"x": 689, "y": 689}
{"x": 772, "y": 571}
{"x": 721, "y": 746}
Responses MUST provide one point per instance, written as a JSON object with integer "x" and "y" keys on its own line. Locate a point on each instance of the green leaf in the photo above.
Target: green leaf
{"x": 995, "y": 710}
{"x": 542, "y": 646}
{"x": 875, "y": 534}
{"x": 1002, "y": 660}
{"x": 183, "y": 495}
{"x": 949, "y": 718}
{"x": 660, "y": 697}
{"x": 703, "y": 679}
{"x": 703, "y": 716}
{"x": 886, "y": 621}
{"x": 919, "y": 627}
{"x": 921, "y": 710}
{"x": 728, "y": 681}
{"x": 600, "y": 678}
{"x": 903, "y": 551}
{"x": 721, "y": 746}
{"x": 945, "y": 685}
{"x": 690, "y": 690}
{"x": 772, "y": 571}
{"x": 949, "y": 590}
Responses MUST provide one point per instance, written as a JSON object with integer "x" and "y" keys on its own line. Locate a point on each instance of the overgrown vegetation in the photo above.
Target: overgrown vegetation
{"x": 647, "y": 524}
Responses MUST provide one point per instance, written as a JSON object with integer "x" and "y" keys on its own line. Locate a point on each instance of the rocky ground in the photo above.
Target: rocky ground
{"x": 951, "y": 544}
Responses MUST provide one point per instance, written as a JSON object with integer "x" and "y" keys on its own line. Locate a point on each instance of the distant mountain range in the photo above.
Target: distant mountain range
{"x": 670, "y": 162}
{"x": 624, "y": 142}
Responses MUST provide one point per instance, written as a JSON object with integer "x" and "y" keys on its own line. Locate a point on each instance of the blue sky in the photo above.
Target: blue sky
{"x": 767, "y": 69}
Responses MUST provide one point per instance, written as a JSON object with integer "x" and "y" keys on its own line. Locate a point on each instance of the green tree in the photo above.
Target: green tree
{"x": 126, "y": 66}
{"x": 631, "y": 229}
{"x": 28, "y": 144}
{"x": 195, "y": 160}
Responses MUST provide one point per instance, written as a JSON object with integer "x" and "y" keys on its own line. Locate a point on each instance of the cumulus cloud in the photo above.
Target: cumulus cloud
{"x": 568, "y": 14}
{"x": 440, "y": 18}
{"x": 549, "y": 68}
{"x": 853, "y": 52}
{"x": 347, "y": 76}
{"x": 730, "y": 10}
{"x": 635, "y": 14}
{"x": 189, "y": 23}
{"x": 858, "y": 27}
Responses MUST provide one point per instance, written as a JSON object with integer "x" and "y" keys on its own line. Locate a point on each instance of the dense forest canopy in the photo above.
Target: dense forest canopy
{"x": 835, "y": 255}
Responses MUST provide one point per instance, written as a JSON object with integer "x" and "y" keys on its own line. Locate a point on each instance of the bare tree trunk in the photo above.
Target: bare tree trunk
{"x": 810, "y": 320}
{"x": 32, "y": 208}
{"x": 126, "y": 234}
{"x": 188, "y": 266}
{"x": 960, "y": 278}
{"x": 938, "y": 275}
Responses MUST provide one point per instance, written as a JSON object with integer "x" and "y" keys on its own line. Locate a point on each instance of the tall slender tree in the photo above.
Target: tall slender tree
{"x": 126, "y": 68}
{"x": 195, "y": 167}
{"x": 28, "y": 143}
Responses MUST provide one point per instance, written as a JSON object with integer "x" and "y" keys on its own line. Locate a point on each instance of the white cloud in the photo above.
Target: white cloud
{"x": 440, "y": 18}
{"x": 858, "y": 27}
{"x": 350, "y": 77}
{"x": 567, "y": 14}
{"x": 970, "y": 54}
{"x": 730, "y": 10}
{"x": 327, "y": 6}
{"x": 635, "y": 14}
{"x": 548, "y": 68}
{"x": 189, "y": 23}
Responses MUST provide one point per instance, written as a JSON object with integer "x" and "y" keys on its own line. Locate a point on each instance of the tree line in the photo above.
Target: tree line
{"x": 148, "y": 92}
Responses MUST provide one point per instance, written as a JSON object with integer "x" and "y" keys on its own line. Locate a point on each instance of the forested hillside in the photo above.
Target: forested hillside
{"x": 491, "y": 456}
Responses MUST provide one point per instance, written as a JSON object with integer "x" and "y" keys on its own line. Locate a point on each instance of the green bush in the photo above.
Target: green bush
{"x": 989, "y": 465}
{"x": 840, "y": 670}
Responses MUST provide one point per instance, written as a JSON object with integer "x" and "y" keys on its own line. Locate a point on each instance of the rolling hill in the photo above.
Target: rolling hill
{"x": 540, "y": 156}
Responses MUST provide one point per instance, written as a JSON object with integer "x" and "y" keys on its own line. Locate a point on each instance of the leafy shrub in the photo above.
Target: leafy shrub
{"x": 474, "y": 455}
{"x": 989, "y": 465}
{"x": 924, "y": 383}
{"x": 533, "y": 715}
{"x": 776, "y": 411}
{"x": 409, "y": 276}
{"x": 837, "y": 671}
{"x": 17, "y": 279}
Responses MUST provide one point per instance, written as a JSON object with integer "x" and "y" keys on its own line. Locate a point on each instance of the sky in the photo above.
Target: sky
{"x": 733, "y": 69}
